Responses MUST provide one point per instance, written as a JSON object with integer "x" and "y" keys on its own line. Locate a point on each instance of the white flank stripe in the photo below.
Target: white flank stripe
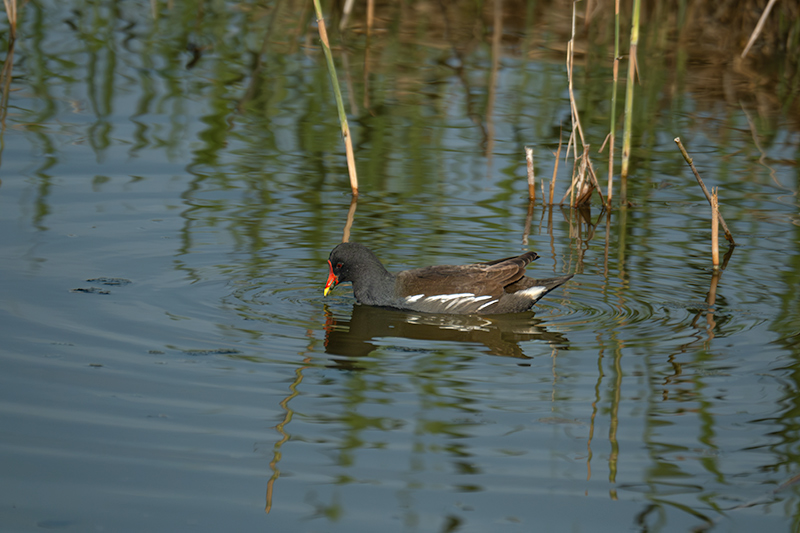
{"x": 459, "y": 301}
{"x": 452, "y": 300}
{"x": 533, "y": 292}
{"x": 448, "y": 297}
{"x": 487, "y": 304}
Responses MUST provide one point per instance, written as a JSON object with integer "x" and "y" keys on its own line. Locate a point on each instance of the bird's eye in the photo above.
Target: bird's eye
{"x": 339, "y": 265}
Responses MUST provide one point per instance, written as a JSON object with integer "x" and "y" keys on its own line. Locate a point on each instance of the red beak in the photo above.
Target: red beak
{"x": 332, "y": 280}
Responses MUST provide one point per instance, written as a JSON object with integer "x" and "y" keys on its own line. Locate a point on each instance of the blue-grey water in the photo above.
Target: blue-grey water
{"x": 172, "y": 186}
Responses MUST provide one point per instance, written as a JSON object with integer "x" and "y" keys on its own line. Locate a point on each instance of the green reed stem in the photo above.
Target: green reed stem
{"x": 626, "y": 136}
{"x": 348, "y": 143}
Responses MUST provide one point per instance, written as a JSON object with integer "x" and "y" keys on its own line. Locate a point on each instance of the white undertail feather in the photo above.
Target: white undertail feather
{"x": 533, "y": 292}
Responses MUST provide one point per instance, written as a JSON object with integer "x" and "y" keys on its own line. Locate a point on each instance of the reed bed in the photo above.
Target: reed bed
{"x": 456, "y": 25}
{"x": 584, "y": 179}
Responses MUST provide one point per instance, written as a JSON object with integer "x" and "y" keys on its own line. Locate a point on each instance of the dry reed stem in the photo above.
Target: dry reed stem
{"x": 5, "y": 88}
{"x": 348, "y": 8}
{"x": 715, "y": 227}
{"x": 585, "y": 159}
{"x": 576, "y": 121}
{"x": 11, "y": 12}
{"x": 581, "y": 183}
{"x": 348, "y": 142}
{"x": 689, "y": 160}
{"x": 605, "y": 142}
{"x": 571, "y": 190}
{"x": 612, "y": 128}
{"x": 584, "y": 188}
{"x": 577, "y": 189}
{"x": 370, "y": 16}
{"x": 759, "y": 27}
{"x": 572, "y": 141}
{"x": 531, "y": 177}
{"x": 596, "y": 183}
{"x": 555, "y": 170}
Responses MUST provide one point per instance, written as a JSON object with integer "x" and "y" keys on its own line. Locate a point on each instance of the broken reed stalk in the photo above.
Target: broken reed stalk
{"x": 759, "y": 27}
{"x": 715, "y": 228}
{"x": 11, "y": 12}
{"x": 626, "y": 135}
{"x": 613, "y": 127}
{"x": 531, "y": 177}
{"x": 689, "y": 160}
{"x": 578, "y": 171}
{"x": 584, "y": 185}
{"x": 348, "y": 142}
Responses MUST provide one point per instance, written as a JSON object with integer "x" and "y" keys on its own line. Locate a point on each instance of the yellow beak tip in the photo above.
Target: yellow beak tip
{"x": 326, "y": 291}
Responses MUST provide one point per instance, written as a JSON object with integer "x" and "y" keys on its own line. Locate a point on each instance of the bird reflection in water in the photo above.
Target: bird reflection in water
{"x": 500, "y": 334}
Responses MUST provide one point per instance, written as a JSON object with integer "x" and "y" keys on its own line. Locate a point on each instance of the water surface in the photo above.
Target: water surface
{"x": 171, "y": 191}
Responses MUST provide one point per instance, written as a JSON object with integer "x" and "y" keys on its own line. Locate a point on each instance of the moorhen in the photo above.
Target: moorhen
{"x": 495, "y": 287}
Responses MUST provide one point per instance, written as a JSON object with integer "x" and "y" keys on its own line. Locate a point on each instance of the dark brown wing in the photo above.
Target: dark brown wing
{"x": 524, "y": 259}
{"x": 478, "y": 279}
{"x": 459, "y": 288}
